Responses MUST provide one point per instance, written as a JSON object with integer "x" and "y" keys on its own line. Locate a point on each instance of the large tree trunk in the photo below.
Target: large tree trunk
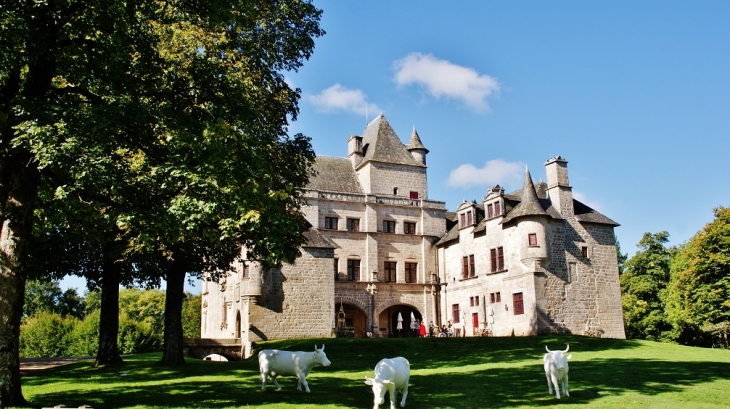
{"x": 173, "y": 349}
{"x": 18, "y": 191}
{"x": 108, "y": 353}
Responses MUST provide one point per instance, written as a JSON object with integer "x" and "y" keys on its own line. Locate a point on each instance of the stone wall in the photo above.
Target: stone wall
{"x": 299, "y": 300}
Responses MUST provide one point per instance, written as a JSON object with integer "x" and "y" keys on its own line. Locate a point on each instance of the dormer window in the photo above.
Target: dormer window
{"x": 466, "y": 219}
{"x": 494, "y": 210}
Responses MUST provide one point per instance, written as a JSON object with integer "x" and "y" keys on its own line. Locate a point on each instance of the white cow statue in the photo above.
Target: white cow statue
{"x": 556, "y": 370}
{"x": 391, "y": 375}
{"x": 273, "y": 362}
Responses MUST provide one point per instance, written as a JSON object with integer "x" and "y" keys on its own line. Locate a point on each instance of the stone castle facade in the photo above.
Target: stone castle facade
{"x": 523, "y": 263}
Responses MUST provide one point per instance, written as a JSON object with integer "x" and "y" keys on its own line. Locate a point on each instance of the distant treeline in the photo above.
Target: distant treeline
{"x": 57, "y": 323}
{"x": 680, "y": 294}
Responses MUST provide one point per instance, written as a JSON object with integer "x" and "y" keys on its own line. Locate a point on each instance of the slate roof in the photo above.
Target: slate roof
{"x": 415, "y": 142}
{"x": 381, "y": 144}
{"x": 584, "y": 213}
{"x": 452, "y": 228}
{"x": 529, "y": 203}
{"x": 334, "y": 174}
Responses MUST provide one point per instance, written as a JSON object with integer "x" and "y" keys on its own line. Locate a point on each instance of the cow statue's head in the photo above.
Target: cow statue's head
{"x": 320, "y": 357}
{"x": 559, "y": 357}
{"x": 380, "y": 386}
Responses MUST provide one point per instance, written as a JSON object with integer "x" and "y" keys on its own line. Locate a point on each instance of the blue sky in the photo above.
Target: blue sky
{"x": 635, "y": 95}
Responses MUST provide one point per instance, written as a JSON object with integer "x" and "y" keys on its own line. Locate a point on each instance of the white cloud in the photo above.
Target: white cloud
{"x": 583, "y": 199}
{"x": 494, "y": 172}
{"x": 442, "y": 78}
{"x": 338, "y": 98}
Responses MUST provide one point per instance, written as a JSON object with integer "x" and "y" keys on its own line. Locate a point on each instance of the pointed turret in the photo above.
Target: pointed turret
{"x": 529, "y": 205}
{"x": 416, "y": 148}
{"x": 381, "y": 144}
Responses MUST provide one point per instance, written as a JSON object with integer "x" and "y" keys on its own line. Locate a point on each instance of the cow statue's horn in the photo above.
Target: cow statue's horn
{"x": 566, "y": 349}
{"x": 546, "y": 348}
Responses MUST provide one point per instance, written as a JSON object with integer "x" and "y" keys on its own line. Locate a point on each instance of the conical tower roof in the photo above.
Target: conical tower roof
{"x": 381, "y": 144}
{"x": 529, "y": 205}
{"x": 415, "y": 142}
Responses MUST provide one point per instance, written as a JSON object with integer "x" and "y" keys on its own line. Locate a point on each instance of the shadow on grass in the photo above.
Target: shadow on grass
{"x": 236, "y": 384}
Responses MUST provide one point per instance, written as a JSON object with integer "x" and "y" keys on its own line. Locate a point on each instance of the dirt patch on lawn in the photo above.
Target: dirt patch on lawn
{"x": 28, "y": 365}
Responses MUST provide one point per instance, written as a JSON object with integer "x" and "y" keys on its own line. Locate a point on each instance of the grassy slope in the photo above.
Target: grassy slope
{"x": 445, "y": 373}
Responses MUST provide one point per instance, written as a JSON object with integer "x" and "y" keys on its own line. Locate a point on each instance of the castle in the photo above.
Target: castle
{"x": 380, "y": 253}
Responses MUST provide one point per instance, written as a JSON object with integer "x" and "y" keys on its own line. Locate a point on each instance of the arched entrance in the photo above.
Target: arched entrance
{"x": 350, "y": 320}
{"x": 238, "y": 324}
{"x": 406, "y": 314}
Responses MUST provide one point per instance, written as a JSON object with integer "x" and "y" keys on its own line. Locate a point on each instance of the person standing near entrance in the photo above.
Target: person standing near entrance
{"x": 422, "y": 330}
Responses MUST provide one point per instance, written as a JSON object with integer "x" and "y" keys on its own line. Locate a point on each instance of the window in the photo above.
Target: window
{"x": 388, "y": 226}
{"x": 466, "y": 219}
{"x": 353, "y": 270}
{"x": 330, "y": 223}
{"x": 471, "y": 301}
{"x": 467, "y": 269}
{"x": 409, "y": 228}
{"x": 490, "y": 211}
{"x": 476, "y": 301}
{"x": 532, "y": 240}
{"x": 517, "y": 304}
{"x": 389, "y": 272}
{"x": 455, "y": 313}
{"x": 411, "y": 272}
{"x": 495, "y": 297}
{"x": 497, "y": 209}
{"x": 395, "y": 191}
{"x": 414, "y": 198}
{"x": 353, "y": 224}
{"x": 245, "y": 273}
{"x": 584, "y": 251}
{"x": 497, "y": 256}
{"x": 336, "y": 268}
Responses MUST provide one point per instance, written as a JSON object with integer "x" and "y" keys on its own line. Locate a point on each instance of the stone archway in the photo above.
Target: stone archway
{"x": 388, "y": 319}
{"x": 351, "y": 320}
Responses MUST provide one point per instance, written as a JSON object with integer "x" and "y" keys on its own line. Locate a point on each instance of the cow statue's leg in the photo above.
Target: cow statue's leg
{"x": 393, "y": 394}
{"x": 276, "y": 383}
{"x": 302, "y": 377}
{"x": 550, "y": 383}
{"x": 556, "y": 384}
{"x": 403, "y": 399}
{"x": 565, "y": 385}
{"x": 263, "y": 380}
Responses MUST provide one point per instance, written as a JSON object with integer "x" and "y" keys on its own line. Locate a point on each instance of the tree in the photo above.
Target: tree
{"x": 47, "y": 295}
{"x": 153, "y": 116}
{"x": 191, "y": 316}
{"x": 643, "y": 284}
{"x": 699, "y": 291}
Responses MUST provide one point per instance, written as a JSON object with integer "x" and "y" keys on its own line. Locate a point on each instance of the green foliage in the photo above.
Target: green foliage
{"x": 141, "y": 326}
{"x": 699, "y": 292}
{"x": 191, "y": 316}
{"x": 84, "y": 338}
{"x": 47, "y": 296}
{"x": 643, "y": 287}
{"x": 46, "y": 334}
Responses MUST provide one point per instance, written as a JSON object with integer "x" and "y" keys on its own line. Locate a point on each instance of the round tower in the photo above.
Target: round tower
{"x": 416, "y": 148}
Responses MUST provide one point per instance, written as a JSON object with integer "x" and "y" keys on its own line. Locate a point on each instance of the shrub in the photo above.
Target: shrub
{"x": 45, "y": 334}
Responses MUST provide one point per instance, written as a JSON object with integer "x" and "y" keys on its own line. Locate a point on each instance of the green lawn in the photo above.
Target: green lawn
{"x": 445, "y": 373}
